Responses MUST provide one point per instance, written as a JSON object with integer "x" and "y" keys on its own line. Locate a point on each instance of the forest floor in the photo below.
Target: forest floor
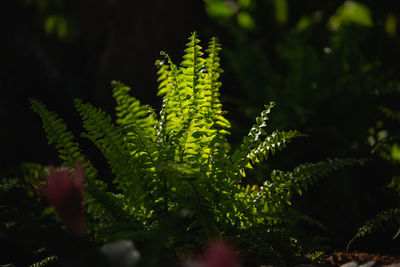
{"x": 341, "y": 258}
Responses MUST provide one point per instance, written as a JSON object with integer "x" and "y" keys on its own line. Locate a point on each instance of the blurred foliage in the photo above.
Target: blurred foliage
{"x": 316, "y": 64}
{"x": 54, "y": 18}
{"x": 351, "y": 12}
{"x": 387, "y": 147}
{"x": 23, "y": 216}
{"x": 31, "y": 234}
{"x": 328, "y": 64}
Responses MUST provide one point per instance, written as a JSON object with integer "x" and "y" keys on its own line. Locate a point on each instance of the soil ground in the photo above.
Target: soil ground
{"x": 339, "y": 258}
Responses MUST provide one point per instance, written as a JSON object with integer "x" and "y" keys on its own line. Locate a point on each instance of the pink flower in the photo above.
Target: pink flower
{"x": 66, "y": 194}
{"x": 220, "y": 254}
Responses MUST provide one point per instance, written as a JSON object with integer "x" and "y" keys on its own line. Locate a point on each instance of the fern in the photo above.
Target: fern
{"x": 100, "y": 203}
{"x": 383, "y": 220}
{"x": 388, "y": 218}
{"x": 255, "y": 148}
{"x": 57, "y": 133}
{"x": 131, "y": 113}
{"x": 284, "y": 184}
{"x": 44, "y": 262}
{"x": 179, "y": 160}
{"x": 111, "y": 142}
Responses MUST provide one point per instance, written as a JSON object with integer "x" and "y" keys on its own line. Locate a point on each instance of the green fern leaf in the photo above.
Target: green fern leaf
{"x": 128, "y": 165}
{"x": 131, "y": 113}
{"x": 96, "y": 198}
{"x": 278, "y": 190}
{"x": 163, "y": 75}
{"x": 381, "y": 221}
{"x": 212, "y": 77}
{"x": 257, "y": 145}
{"x": 307, "y": 174}
{"x": 57, "y": 133}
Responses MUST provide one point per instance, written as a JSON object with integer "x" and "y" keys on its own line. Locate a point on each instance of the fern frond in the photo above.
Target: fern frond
{"x": 96, "y": 197}
{"x": 196, "y": 138}
{"x": 191, "y": 115}
{"x": 186, "y": 104}
{"x": 279, "y": 189}
{"x": 257, "y": 145}
{"x": 44, "y": 262}
{"x": 131, "y": 113}
{"x": 164, "y": 89}
{"x": 272, "y": 143}
{"x": 163, "y": 74}
{"x": 177, "y": 99}
{"x": 174, "y": 113}
{"x": 307, "y": 174}
{"x": 252, "y": 140}
{"x": 128, "y": 168}
{"x": 220, "y": 125}
{"x": 381, "y": 221}
{"x": 191, "y": 68}
{"x": 213, "y": 73}
{"x": 57, "y": 133}
{"x": 138, "y": 121}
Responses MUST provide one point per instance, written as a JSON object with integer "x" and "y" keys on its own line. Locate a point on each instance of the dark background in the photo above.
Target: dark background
{"x": 327, "y": 75}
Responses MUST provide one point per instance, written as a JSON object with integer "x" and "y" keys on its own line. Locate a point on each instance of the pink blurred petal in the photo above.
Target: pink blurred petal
{"x": 220, "y": 254}
{"x": 66, "y": 195}
{"x": 79, "y": 176}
